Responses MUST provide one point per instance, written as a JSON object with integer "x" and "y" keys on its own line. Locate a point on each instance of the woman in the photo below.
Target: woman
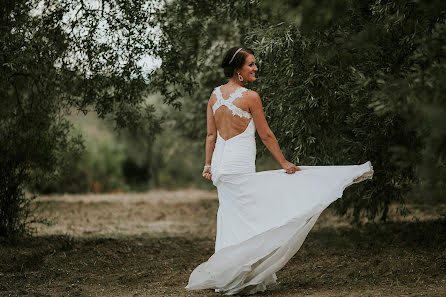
{"x": 263, "y": 217}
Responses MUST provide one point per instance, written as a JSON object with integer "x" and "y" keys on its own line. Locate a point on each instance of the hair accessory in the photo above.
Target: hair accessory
{"x": 234, "y": 55}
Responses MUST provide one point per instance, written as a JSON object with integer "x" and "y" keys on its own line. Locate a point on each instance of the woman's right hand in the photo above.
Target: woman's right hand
{"x": 289, "y": 167}
{"x": 207, "y": 173}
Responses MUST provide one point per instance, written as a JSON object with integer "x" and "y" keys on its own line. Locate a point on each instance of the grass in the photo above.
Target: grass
{"x": 148, "y": 244}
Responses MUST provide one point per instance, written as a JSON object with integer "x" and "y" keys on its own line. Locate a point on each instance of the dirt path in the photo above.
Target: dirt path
{"x": 148, "y": 244}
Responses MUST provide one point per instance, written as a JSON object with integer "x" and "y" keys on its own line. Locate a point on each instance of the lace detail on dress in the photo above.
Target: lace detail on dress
{"x": 228, "y": 102}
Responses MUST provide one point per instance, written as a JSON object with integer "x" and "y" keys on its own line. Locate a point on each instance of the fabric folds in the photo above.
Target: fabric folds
{"x": 262, "y": 221}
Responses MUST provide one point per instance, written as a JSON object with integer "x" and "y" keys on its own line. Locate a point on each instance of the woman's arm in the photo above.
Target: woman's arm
{"x": 266, "y": 135}
{"x": 211, "y": 137}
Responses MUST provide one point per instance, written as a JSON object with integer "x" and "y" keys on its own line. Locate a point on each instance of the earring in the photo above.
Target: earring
{"x": 240, "y": 78}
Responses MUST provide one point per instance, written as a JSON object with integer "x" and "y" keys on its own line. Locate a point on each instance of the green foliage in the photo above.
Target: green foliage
{"x": 342, "y": 82}
{"x": 100, "y": 171}
{"x": 57, "y": 55}
{"x": 417, "y": 86}
{"x": 327, "y": 119}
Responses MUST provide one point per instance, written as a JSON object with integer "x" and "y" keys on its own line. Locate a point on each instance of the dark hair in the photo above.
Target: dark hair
{"x": 237, "y": 62}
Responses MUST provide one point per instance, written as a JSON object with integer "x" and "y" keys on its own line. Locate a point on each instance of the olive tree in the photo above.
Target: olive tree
{"x": 58, "y": 57}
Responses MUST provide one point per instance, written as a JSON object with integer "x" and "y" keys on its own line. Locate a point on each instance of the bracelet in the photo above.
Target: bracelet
{"x": 207, "y": 166}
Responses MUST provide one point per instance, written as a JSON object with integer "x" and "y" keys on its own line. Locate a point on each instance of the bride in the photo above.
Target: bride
{"x": 263, "y": 217}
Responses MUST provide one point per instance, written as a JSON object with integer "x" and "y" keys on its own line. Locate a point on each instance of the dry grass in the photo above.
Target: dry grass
{"x": 148, "y": 244}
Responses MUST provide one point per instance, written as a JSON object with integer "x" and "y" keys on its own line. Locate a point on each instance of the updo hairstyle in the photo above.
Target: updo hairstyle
{"x": 237, "y": 62}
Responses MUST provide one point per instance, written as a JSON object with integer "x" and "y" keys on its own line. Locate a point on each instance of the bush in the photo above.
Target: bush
{"x": 342, "y": 82}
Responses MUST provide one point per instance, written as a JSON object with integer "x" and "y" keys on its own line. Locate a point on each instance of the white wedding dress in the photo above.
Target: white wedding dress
{"x": 263, "y": 217}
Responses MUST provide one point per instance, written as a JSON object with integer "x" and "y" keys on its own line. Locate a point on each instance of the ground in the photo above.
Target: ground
{"x": 148, "y": 244}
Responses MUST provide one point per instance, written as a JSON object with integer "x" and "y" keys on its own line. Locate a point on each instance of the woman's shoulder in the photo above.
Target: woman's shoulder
{"x": 251, "y": 94}
{"x": 214, "y": 90}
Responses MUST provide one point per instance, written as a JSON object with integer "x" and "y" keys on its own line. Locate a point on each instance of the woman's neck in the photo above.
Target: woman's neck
{"x": 234, "y": 81}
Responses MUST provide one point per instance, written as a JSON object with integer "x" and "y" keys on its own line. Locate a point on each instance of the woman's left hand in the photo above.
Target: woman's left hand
{"x": 207, "y": 173}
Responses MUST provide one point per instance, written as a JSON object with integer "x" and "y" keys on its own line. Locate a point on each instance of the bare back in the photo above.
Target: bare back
{"x": 231, "y": 111}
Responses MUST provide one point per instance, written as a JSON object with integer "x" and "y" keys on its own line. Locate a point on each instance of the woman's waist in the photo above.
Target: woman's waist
{"x": 231, "y": 159}
{"x": 224, "y": 169}
{"x": 228, "y": 159}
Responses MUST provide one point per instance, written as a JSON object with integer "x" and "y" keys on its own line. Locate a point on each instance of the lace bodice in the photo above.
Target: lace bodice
{"x": 228, "y": 102}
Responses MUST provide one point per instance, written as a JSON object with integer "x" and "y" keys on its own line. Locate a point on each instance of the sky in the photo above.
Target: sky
{"x": 104, "y": 34}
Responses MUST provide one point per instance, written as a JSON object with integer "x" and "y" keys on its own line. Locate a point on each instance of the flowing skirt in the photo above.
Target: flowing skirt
{"x": 263, "y": 218}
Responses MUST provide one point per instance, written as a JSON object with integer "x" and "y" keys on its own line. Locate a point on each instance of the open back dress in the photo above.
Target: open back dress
{"x": 263, "y": 217}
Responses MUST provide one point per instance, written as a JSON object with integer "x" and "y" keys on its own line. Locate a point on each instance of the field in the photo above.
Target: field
{"x": 148, "y": 244}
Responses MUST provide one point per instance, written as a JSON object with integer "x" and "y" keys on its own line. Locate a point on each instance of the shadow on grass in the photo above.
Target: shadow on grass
{"x": 418, "y": 234}
{"x": 330, "y": 258}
